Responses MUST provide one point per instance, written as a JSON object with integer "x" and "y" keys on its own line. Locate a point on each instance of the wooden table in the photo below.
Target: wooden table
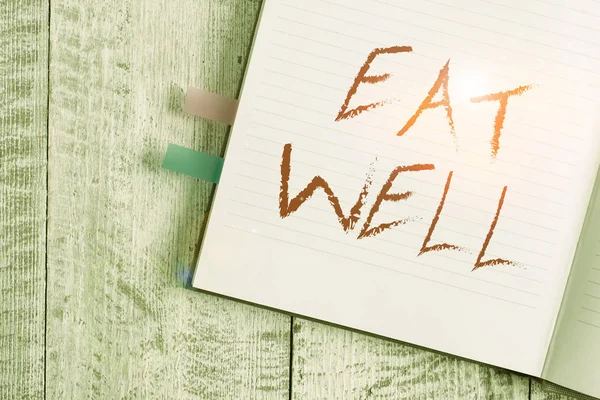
{"x": 97, "y": 242}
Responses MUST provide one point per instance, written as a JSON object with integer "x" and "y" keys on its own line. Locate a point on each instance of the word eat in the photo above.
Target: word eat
{"x": 288, "y": 206}
{"x": 440, "y": 84}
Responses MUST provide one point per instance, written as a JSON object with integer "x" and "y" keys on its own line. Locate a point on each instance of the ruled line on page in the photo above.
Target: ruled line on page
{"x": 382, "y": 158}
{"x": 362, "y": 54}
{"x": 384, "y": 213}
{"x": 419, "y": 222}
{"x": 540, "y": 15}
{"x": 411, "y": 206}
{"x": 516, "y": 150}
{"x": 491, "y": 30}
{"x": 311, "y": 95}
{"x": 442, "y": 255}
{"x": 571, "y": 8}
{"x": 382, "y": 267}
{"x": 458, "y": 50}
{"x": 561, "y": 160}
{"x": 437, "y": 3}
{"x": 332, "y": 73}
{"x": 473, "y": 180}
{"x": 468, "y": 11}
{"x": 409, "y": 96}
{"x": 414, "y": 96}
{"x": 390, "y": 255}
{"x": 504, "y": 34}
{"x": 383, "y": 129}
{"x": 541, "y": 99}
{"x": 464, "y": 38}
{"x": 590, "y": 310}
{"x": 494, "y": 270}
{"x": 465, "y": 178}
{"x": 435, "y": 128}
{"x": 446, "y": 215}
{"x": 387, "y": 114}
{"x": 518, "y": 178}
{"x": 322, "y": 140}
{"x": 407, "y": 177}
{"x": 588, "y": 323}
{"x": 414, "y": 54}
{"x": 300, "y": 79}
{"x": 379, "y": 157}
{"x": 405, "y": 232}
{"x": 562, "y": 5}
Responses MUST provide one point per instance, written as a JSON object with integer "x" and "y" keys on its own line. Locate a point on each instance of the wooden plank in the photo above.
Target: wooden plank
{"x": 550, "y": 391}
{"x": 23, "y": 128}
{"x": 333, "y": 363}
{"x": 124, "y": 234}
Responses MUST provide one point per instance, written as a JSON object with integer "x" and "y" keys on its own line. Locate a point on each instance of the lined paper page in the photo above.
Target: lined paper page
{"x": 575, "y": 347}
{"x": 455, "y": 145}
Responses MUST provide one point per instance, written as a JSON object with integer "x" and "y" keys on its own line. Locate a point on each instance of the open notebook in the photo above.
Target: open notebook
{"x": 422, "y": 170}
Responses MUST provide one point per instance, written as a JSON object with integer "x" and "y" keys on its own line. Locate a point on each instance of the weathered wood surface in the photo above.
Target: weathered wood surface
{"x": 331, "y": 363}
{"x": 123, "y": 233}
{"x": 23, "y": 118}
{"x": 549, "y": 391}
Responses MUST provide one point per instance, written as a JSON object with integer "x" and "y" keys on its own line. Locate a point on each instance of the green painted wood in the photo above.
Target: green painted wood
{"x": 550, "y": 391}
{"x": 124, "y": 233}
{"x": 333, "y": 363}
{"x": 23, "y": 98}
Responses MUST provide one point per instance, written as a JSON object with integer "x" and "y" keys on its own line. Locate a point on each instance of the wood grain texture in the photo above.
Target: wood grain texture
{"x": 332, "y": 363}
{"x": 124, "y": 234}
{"x": 23, "y": 119}
{"x": 549, "y": 391}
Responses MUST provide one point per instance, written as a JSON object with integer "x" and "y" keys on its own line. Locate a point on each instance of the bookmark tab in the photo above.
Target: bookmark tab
{"x": 193, "y": 163}
{"x": 210, "y": 106}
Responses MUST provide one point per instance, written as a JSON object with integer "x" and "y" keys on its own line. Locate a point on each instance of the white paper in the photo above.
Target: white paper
{"x": 575, "y": 347}
{"x": 305, "y": 60}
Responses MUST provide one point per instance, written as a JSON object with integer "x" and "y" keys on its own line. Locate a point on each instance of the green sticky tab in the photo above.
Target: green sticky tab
{"x": 193, "y": 163}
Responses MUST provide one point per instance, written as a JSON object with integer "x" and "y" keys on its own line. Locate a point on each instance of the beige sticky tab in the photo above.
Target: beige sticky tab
{"x": 210, "y": 105}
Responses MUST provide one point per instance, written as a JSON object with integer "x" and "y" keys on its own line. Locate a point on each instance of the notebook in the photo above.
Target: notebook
{"x": 423, "y": 171}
